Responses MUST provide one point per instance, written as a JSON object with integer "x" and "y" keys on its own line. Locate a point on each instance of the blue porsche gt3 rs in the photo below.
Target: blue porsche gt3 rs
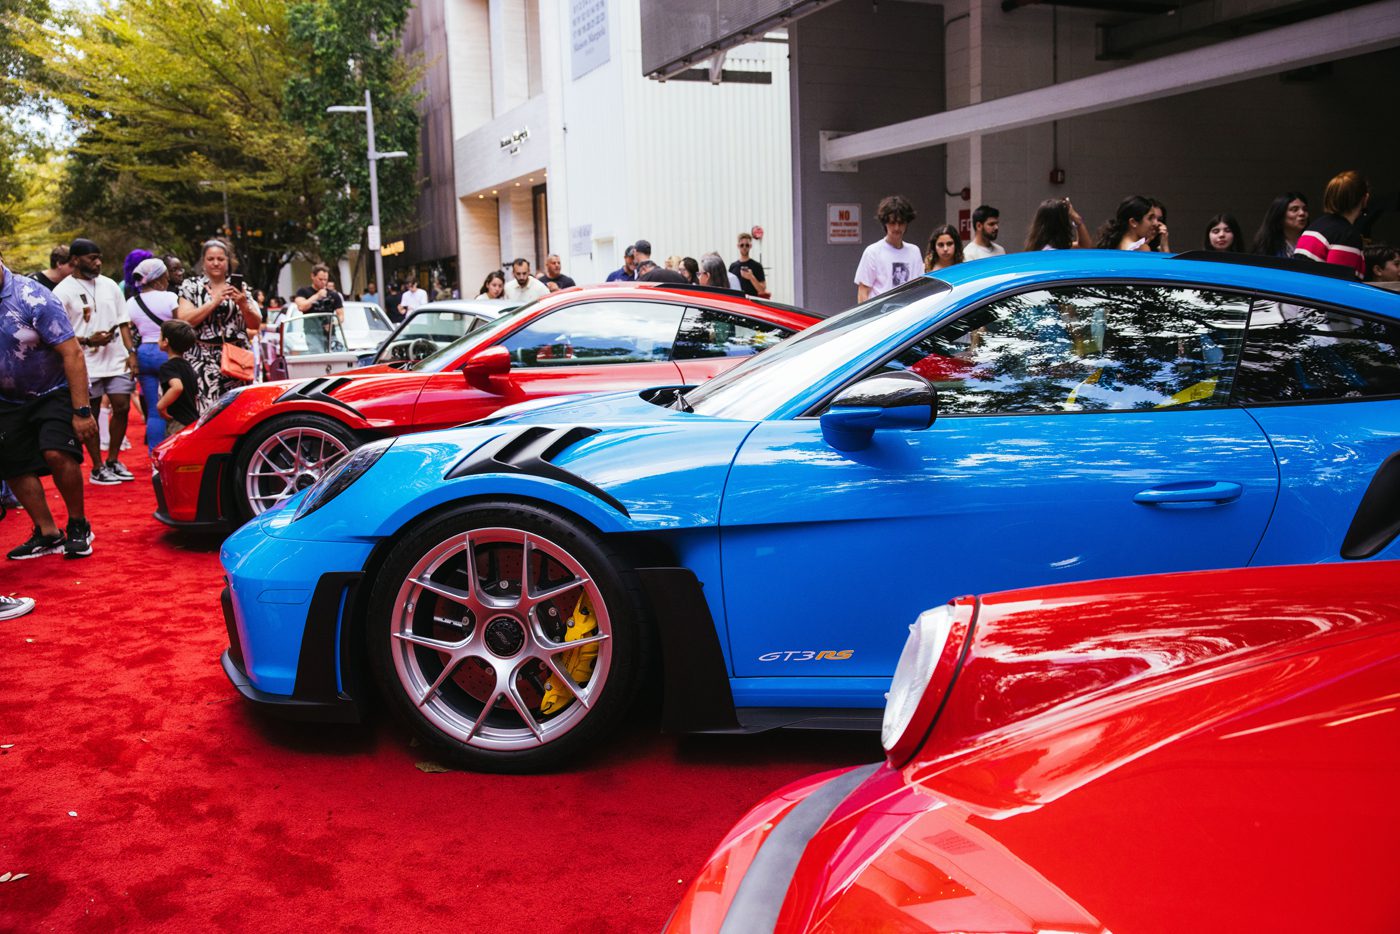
{"x": 762, "y": 541}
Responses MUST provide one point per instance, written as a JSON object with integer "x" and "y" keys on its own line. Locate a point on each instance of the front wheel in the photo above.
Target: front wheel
{"x": 285, "y": 456}
{"x": 506, "y": 636}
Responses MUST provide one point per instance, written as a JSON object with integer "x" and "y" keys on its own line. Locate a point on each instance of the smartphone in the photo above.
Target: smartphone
{"x": 236, "y": 280}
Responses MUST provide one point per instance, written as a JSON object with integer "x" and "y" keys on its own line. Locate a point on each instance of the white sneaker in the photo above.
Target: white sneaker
{"x": 14, "y": 607}
{"x": 104, "y": 477}
{"x": 120, "y": 471}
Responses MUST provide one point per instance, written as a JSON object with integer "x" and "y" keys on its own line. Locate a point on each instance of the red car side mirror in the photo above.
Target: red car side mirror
{"x": 486, "y": 370}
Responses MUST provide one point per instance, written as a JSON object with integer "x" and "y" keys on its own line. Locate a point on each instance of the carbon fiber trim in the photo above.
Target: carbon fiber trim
{"x": 530, "y": 451}
{"x": 319, "y": 390}
{"x": 762, "y": 890}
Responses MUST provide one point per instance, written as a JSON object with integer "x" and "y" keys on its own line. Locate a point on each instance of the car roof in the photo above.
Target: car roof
{"x": 1298, "y": 278}
{"x": 722, "y": 299}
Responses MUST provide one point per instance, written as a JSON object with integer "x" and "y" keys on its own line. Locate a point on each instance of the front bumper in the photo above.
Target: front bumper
{"x": 189, "y": 496}
{"x": 288, "y": 606}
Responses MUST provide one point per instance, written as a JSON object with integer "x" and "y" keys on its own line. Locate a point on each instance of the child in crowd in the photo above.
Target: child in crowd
{"x": 179, "y": 386}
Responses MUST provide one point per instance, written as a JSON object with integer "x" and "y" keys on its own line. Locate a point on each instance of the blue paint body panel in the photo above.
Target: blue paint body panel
{"x": 813, "y": 560}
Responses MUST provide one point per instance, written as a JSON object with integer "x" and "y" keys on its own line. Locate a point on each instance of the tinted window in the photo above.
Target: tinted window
{"x": 1298, "y": 354}
{"x": 1085, "y": 348}
{"x": 709, "y": 333}
{"x": 597, "y": 333}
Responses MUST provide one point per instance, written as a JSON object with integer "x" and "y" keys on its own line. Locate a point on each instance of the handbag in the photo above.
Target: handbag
{"x": 236, "y": 362}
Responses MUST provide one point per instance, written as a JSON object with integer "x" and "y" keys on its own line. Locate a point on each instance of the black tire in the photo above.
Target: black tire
{"x": 486, "y": 663}
{"x": 311, "y": 435}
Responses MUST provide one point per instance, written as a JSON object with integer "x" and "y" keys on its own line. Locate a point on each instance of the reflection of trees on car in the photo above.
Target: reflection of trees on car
{"x": 1299, "y": 354}
{"x": 1085, "y": 348}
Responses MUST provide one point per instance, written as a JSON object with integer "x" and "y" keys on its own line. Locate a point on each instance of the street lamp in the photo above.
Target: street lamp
{"x": 374, "y": 157}
{"x": 206, "y": 183}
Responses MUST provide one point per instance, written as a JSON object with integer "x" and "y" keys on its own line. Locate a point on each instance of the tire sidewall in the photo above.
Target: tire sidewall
{"x": 614, "y": 581}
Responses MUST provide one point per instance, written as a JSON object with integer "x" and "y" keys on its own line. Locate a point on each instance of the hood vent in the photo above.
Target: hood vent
{"x": 531, "y": 451}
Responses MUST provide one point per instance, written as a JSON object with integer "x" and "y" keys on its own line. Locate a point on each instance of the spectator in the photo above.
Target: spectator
{"x": 712, "y": 272}
{"x": 524, "y": 287}
{"x": 1057, "y": 226}
{"x": 1223, "y": 235}
{"x": 1158, "y": 244}
{"x": 945, "y": 248}
{"x": 628, "y": 272}
{"x": 1283, "y": 224}
{"x": 320, "y": 297}
{"x": 1382, "y": 263}
{"x": 15, "y": 607}
{"x": 411, "y": 298}
{"x": 370, "y": 294}
{"x": 554, "y": 278}
{"x": 1333, "y": 237}
{"x": 179, "y": 384}
{"x": 689, "y": 268}
{"x": 728, "y": 280}
{"x": 175, "y": 269}
{"x": 658, "y": 274}
{"x": 889, "y": 262}
{"x": 645, "y": 266}
{"x": 97, "y": 313}
{"x": 986, "y": 226}
{"x": 220, "y": 312}
{"x": 440, "y": 292}
{"x": 45, "y": 417}
{"x": 641, "y": 251}
{"x": 493, "y": 286}
{"x": 392, "y": 295}
{"x": 749, "y": 271}
{"x": 149, "y": 309}
{"x": 60, "y": 268}
{"x": 133, "y": 259}
{"x": 1132, "y": 227}
{"x": 673, "y": 261}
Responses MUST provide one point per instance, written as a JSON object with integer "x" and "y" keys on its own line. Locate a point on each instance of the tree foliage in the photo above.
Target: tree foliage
{"x": 181, "y": 107}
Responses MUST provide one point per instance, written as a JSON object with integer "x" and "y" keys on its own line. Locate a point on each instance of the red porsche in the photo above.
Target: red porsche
{"x": 260, "y": 444}
{"x": 1214, "y": 751}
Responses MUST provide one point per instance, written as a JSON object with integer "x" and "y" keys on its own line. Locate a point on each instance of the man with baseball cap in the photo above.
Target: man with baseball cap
{"x": 44, "y": 414}
{"x": 97, "y": 311}
{"x": 628, "y": 272}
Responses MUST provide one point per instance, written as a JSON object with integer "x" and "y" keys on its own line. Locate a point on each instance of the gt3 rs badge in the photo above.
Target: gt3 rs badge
{"x": 832, "y": 655}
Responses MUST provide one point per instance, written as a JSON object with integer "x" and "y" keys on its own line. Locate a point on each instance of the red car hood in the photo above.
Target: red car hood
{"x": 1239, "y": 776}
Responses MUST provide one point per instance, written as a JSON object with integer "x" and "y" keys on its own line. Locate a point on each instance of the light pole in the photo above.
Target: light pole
{"x": 206, "y": 183}
{"x": 374, "y": 157}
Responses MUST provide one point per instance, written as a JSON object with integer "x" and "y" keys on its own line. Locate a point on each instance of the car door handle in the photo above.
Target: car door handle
{"x": 1219, "y": 491}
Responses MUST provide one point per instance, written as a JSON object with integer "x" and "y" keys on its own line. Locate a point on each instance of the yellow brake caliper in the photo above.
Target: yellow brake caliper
{"x": 577, "y": 663}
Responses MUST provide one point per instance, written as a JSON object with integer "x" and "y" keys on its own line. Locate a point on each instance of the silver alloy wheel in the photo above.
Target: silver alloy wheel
{"x": 506, "y": 595}
{"x": 287, "y": 462}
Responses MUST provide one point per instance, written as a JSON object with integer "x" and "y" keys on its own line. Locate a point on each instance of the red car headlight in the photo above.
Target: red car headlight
{"x": 924, "y": 677}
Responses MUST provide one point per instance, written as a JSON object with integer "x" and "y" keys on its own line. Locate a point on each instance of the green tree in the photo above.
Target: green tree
{"x": 16, "y": 65}
{"x": 346, "y": 46}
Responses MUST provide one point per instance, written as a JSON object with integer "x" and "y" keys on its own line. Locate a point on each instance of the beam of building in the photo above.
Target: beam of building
{"x": 1345, "y": 34}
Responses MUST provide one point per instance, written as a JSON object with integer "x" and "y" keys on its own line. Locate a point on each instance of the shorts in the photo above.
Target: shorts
{"x": 27, "y": 429}
{"x": 122, "y": 385}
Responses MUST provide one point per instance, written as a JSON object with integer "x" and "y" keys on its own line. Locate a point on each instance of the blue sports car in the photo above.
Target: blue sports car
{"x": 762, "y": 541}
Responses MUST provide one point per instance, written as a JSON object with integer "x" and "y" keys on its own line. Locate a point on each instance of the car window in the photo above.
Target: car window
{"x": 1294, "y": 353}
{"x": 1085, "y": 348}
{"x": 312, "y": 334}
{"x": 708, "y": 333}
{"x": 597, "y": 333}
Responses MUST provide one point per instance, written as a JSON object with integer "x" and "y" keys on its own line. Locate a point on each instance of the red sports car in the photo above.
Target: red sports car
{"x": 1213, "y": 751}
{"x": 261, "y": 444}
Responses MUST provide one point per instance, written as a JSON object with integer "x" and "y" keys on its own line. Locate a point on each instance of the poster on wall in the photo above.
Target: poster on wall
{"x": 588, "y": 35}
{"x": 581, "y": 240}
{"x": 843, "y": 223}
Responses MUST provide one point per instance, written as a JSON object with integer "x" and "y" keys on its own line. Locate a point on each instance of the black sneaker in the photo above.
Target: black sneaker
{"x": 38, "y": 546}
{"x": 79, "y": 543}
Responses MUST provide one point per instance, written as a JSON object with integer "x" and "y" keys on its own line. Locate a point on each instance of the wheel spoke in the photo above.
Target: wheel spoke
{"x": 552, "y": 648}
{"x": 581, "y": 693}
{"x": 428, "y": 642}
{"x": 442, "y": 590}
{"x": 447, "y": 669}
{"x": 523, "y": 710}
{"x": 535, "y": 599}
{"x": 485, "y": 709}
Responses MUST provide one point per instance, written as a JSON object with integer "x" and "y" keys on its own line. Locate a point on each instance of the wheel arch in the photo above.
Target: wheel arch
{"x": 228, "y": 490}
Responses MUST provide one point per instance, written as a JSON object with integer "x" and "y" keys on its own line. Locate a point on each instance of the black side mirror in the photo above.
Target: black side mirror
{"x": 901, "y": 400}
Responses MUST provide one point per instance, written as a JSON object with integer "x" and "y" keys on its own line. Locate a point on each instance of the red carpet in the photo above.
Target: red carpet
{"x": 138, "y": 792}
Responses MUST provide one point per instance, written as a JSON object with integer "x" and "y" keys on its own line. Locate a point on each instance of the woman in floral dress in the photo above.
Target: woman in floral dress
{"x": 219, "y": 313}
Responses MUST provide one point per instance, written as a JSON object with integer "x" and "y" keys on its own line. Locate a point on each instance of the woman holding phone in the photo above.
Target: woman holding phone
{"x": 221, "y": 312}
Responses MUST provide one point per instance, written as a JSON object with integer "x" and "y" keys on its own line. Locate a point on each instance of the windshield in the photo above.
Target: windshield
{"x": 365, "y": 326}
{"x": 758, "y": 387}
{"x": 483, "y": 336}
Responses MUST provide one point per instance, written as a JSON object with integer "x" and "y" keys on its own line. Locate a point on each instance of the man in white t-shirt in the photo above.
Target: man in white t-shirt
{"x": 523, "y": 287}
{"x": 986, "y": 224}
{"x": 411, "y": 298}
{"x": 889, "y": 262}
{"x": 97, "y": 310}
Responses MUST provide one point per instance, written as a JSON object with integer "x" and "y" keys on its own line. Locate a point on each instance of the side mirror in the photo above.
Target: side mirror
{"x": 486, "y": 369}
{"x": 899, "y": 400}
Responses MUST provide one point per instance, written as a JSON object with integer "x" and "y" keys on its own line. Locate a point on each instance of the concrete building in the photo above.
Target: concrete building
{"x": 1212, "y": 105}
{"x": 541, "y": 134}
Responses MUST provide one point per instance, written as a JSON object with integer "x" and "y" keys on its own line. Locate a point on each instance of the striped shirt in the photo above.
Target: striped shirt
{"x": 1333, "y": 239}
